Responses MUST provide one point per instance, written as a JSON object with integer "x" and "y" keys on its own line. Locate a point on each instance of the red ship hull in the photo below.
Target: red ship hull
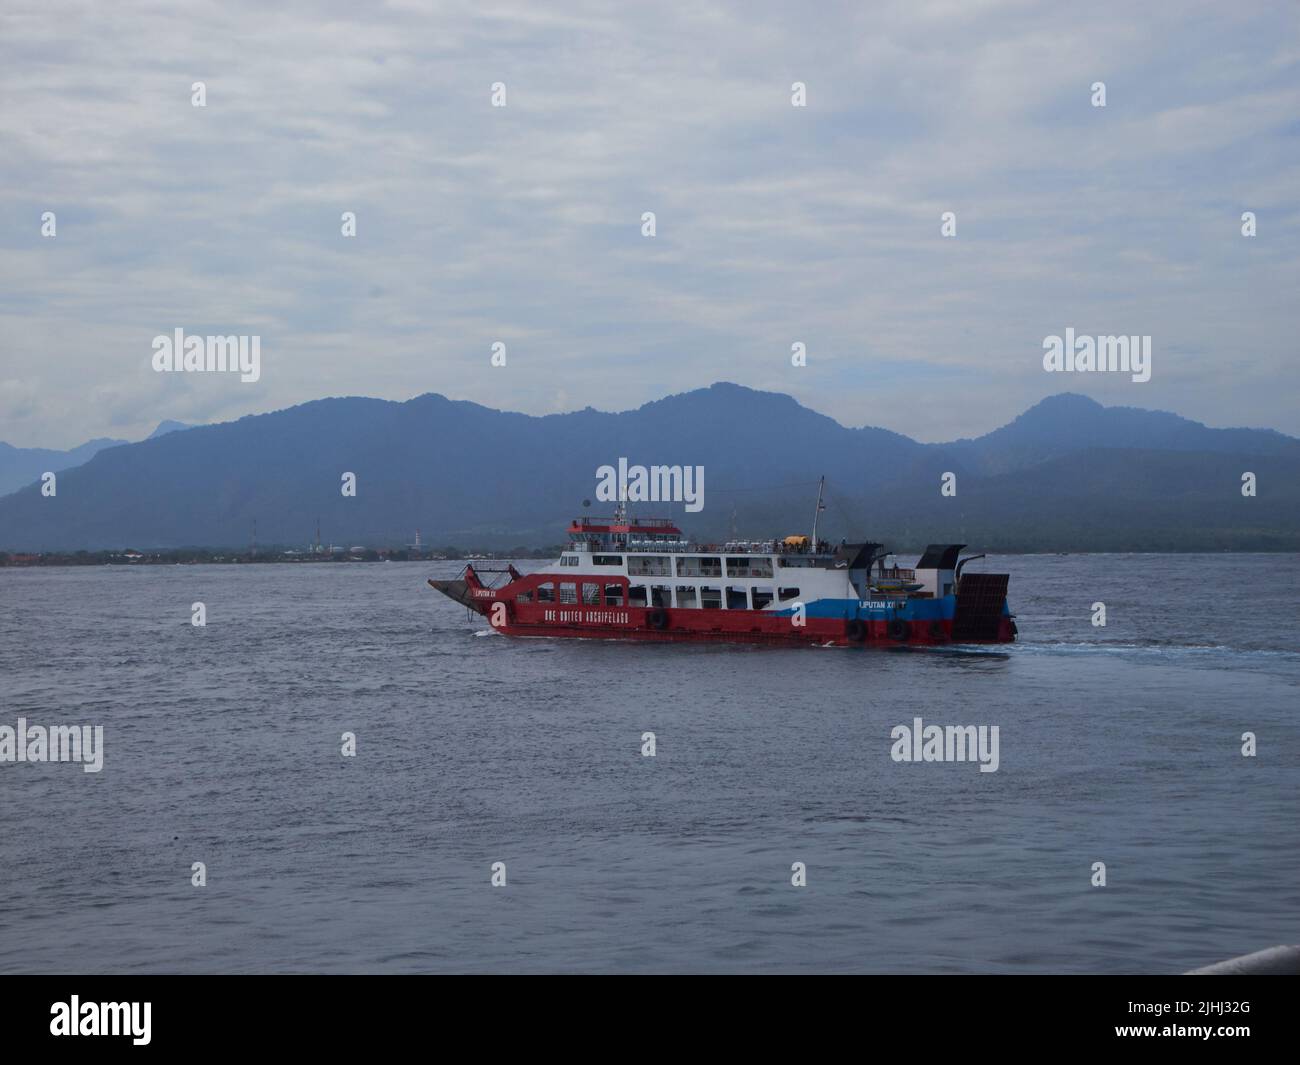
{"x": 505, "y": 613}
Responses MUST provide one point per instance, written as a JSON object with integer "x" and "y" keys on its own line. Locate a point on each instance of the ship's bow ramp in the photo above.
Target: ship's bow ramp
{"x": 457, "y": 590}
{"x": 980, "y": 599}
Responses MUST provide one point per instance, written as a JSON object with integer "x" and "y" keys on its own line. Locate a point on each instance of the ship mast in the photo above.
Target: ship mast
{"x": 818, "y": 512}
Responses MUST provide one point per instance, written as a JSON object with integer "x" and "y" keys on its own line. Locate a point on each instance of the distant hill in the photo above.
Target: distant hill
{"x": 22, "y": 465}
{"x": 168, "y": 427}
{"x": 1069, "y": 474}
{"x": 1067, "y": 423}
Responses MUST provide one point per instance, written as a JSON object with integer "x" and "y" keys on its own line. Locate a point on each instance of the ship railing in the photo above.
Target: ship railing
{"x": 641, "y": 546}
{"x": 636, "y": 523}
{"x": 807, "y": 560}
{"x": 659, "y": 545}
{"x": 774, "y": 550}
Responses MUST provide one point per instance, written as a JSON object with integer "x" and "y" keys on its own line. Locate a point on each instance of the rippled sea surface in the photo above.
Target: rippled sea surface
{"x": 1119, "y": 744}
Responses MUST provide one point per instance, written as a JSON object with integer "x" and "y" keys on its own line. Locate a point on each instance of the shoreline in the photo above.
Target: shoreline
{"x": 202, "y": 557}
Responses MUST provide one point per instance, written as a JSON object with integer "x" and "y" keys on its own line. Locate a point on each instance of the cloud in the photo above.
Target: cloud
{"x": 522, "y": 224}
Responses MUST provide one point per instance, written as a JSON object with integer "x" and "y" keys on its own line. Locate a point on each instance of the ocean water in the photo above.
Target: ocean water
{"x": 222, "y": 744}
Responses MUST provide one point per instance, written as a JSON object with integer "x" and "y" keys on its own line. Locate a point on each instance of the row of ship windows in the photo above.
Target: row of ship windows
{"x": 686, "y": 565}
{"x": 658, "y": 595}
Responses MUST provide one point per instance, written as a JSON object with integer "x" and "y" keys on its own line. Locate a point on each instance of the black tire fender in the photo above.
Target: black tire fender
{"x": 855, "y": 631}
{"x": 657, "y": 618}
{"x": 898, "y": 629}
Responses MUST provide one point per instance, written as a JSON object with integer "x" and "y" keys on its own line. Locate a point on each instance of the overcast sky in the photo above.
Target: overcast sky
{"x": 522, "y": 224}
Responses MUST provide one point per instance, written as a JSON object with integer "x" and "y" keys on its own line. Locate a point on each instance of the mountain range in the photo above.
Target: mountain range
{"x": 1069, "y": 475}
{"x": 22, "y": 465}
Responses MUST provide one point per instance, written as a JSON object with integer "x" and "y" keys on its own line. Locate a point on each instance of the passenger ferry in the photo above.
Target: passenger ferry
{"x": 640, "y": 579}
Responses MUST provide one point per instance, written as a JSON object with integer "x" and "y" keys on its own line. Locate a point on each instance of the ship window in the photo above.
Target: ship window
{"x": 607, "y": 560}
{"x": 591, "y": 594}
{"x": 699, "y": 566}
{"x": 711, "y": 598}
{"x": 568, "y": 560}
{"x": 647, "y": 565}
{"x": 568, "y": 592}
{"x": 787, "y": 593}
{"x": 613, "y": 595}
{"x": 524, "y": 597}
{"x": 546, "y": 592}
{"x": 737, "y": 599}
{"x": 749, "y": 567}
{"x": 687, "y": 596}
{"x": 636, "y": 595}
{"x": 661, "y": 595}
{"x": 762, "y": 597}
